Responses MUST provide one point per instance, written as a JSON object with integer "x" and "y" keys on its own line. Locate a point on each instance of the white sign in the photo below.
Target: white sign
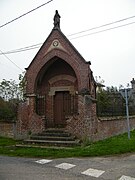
{"x": 124, "y": 91}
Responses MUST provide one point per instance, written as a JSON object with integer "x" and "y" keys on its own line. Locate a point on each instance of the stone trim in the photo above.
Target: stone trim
{"x": 62, "y": 77}
{"x": 30, "y": 95}
{"x": 61, "y": 88}
{"x": 55, "y": 44}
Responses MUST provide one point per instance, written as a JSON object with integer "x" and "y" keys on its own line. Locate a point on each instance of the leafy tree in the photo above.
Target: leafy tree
{"x": 102, "y": 101}
{"x": 10, "y": 90}
{"x": 7, "y": 110}
{"x": 11, "y": 93}
{"x": 22, "y": 84}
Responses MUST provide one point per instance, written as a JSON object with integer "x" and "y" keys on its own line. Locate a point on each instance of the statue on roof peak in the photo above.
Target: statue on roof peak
{"x": 56, "y": 20}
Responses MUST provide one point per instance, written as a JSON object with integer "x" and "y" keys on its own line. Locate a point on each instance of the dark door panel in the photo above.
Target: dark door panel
{"x": 62, "y": 106}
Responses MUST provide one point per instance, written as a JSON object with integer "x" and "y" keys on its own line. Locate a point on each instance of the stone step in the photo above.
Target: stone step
{"x": 52, "y": 143}
{"x": 42, "y": 146}
{"x": 53, "y": 138}
{"x": 55, "y": 132}
{"x": 63, "y": 134}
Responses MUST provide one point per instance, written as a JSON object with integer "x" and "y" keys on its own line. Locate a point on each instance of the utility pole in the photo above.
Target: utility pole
{"x": 126, "y": 93}
{"x": 127, "y": 112}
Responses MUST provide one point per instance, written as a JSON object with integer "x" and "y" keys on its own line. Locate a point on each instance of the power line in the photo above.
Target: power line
{"x": 25, "y": 14}
{"x": 38, "y": 45}
{"x": 103, "y": 30}
{"x": 16, "y": 51}
{"x": 35, "y": 46}
{"x": 27, "y": 47}
{"x": 11, "y": 61}
{"x": 97, "y": 27}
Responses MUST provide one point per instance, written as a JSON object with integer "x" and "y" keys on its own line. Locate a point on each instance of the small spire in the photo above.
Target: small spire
{"x": 56, "y": 20}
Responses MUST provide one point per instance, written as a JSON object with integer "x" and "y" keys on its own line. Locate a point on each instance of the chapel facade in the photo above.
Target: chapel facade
{"x": 60, "y": 89}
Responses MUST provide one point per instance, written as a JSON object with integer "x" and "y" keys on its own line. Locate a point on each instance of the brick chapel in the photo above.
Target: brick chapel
{"x": 60, "y": 89}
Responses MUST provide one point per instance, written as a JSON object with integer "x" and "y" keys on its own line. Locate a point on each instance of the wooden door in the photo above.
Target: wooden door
{"x": 62, "y": 106}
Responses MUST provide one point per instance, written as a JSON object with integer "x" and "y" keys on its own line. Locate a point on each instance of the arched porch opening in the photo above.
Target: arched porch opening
{"x": 56, "y": 92}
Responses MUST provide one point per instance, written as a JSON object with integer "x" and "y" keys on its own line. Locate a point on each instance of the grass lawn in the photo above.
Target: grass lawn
{"x": 111, "y": 146}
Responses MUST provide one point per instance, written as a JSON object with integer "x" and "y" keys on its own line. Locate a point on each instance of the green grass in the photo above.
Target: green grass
{"x": 6, "y": 141}
{"x": 111, "y": 146}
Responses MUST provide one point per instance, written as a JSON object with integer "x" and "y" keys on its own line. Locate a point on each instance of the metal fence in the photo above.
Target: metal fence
{"x": 40, "y": 104}
{"x": 114, "y": 105}
{"x": 71, "y": 105}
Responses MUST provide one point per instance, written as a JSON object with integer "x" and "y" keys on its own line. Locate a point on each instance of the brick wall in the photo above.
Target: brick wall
{"x": 7, "y": 129}
{"x": 104, "y": 128}
{"x": 23, "y": 119}
{"x": 108, "y": 127}
{"x": 28, "y": 121}
{"x": 84, "y": 124}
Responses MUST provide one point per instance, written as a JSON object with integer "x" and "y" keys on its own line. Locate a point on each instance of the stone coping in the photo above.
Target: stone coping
{"x": 114, "y": 118}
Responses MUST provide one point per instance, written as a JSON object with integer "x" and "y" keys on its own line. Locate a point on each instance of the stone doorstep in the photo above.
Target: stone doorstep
{"x": 55, "y": 130}
{"x": 62, "y": 134}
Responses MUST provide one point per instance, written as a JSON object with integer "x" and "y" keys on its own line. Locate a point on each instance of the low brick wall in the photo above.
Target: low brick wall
{"x": 7, "y": 129}
{"x": 108, "y": 127}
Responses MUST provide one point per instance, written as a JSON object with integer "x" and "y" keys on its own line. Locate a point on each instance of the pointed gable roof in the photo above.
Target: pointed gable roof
{"x": 60, "y": 46}
{"x": 56, "y": 39}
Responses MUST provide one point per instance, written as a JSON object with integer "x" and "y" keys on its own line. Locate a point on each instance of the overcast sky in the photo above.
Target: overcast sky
{"x": 112, "y": 52}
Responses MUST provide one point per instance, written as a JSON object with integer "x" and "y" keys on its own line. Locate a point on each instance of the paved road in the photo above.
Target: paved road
{"x": 100, "y": 168}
